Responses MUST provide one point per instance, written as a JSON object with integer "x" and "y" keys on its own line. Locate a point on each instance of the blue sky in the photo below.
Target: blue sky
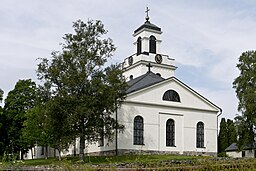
{"x": 205, "y": 38}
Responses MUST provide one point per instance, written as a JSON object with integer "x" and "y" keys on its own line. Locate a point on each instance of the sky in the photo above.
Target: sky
{"x": 205, "y": 38}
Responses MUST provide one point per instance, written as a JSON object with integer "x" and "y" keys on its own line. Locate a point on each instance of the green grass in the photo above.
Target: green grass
{"x": 135, "y": 158}
{"x": 109, "y": 159}
{"x": 111, "y": 162}
{"x": 140, "y": 161}
{"x": 96, "y": 160}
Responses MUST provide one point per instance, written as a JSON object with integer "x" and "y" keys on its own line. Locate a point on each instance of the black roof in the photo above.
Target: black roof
{"x": 233, "y": 147}
{"x": 148, "y": 25}
{"x": 150, "y": 79}
{"x": 143, "y": 81}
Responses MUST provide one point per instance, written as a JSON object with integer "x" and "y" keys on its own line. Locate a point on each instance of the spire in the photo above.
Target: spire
{"x": 147, "y": 17}
{"x": 147, "y": 24}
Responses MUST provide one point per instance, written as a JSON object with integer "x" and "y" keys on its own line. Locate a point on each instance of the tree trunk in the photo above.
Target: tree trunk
{"x": 32, "y": 153}
{"x": 46, "y": 152}
{"x": 21, "y": 154}
{"x": 81, "y": 149}
{"x": 75, "y": 148}
{"x": 59, "y": 154}
{"x": 54, "y": 152}
{"x": 116, "y": 131}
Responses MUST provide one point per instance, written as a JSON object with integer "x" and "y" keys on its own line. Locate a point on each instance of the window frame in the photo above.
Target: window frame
{"x": 170, "y": 133}
{"x": 171, "y": 95}
{"x": 139, "y": 46}
{"x": 200, "y": 135}
{"x": 138, "y": 130}
{"x": 152, "y": 44}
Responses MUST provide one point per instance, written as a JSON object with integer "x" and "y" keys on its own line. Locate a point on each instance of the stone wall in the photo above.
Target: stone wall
{"x": 129, "y": 152}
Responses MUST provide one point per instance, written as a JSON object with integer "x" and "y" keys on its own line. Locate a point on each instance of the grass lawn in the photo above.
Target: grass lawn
{"x": 94, "y": 160}
{"x": 155, "y": 162}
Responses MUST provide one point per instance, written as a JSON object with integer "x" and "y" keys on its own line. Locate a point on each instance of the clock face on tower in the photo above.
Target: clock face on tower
{"x": 158, "y": 58}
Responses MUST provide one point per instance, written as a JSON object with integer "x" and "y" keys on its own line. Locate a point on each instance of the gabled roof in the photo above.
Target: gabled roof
{"x": 143, "y": 81}
{"x": 233, "y": 147}
{"x": 151, "y": 79}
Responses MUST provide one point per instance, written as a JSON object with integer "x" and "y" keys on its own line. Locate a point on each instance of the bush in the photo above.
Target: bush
{"x": 222, "y": 154}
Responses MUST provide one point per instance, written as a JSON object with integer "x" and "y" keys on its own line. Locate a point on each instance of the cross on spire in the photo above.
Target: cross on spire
{"x": 147, "y": 10}
{"x": 149, "y": 66}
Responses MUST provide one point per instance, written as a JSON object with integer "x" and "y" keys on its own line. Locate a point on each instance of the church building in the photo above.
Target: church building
{"x": 161, "y": 114}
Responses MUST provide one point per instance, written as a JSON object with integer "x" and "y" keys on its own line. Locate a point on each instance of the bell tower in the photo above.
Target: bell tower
{"x": 147, "y": 37}
{"x": 147, "y": 44}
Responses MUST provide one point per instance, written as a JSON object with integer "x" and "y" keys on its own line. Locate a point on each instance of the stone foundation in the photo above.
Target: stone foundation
{"x": 144, "y": 152}
{"x": 194, "y": 153}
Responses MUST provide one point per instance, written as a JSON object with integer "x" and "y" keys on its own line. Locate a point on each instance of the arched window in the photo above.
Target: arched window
{"x": 171, "y": 95}
{"x": 152, "y": 44}
{"x": 170, "y": 133}
{"x": 139, "y": 46}
{"x": 138, "y": 129}
{"x": 200, "y": 135}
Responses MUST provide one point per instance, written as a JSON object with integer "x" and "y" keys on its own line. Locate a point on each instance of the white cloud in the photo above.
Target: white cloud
{"x": 205, "y": 37}
{"x": 225, "y": 99}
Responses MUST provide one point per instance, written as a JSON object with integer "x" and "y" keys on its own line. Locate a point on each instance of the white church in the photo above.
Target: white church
{"x": 161, "y": 114}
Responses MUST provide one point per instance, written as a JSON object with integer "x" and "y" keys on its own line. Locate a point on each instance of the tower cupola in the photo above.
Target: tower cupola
{"x": 147, "y": 37}
{"x": 147, "y": 50}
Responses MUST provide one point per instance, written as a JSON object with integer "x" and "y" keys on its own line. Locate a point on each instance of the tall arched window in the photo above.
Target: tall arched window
{"x": 139, "y": 46}
{"x": 138, "y": 131}
{"x": 170, "y": 133}
{"x": 171, "y": 95}
{"x": 152, "y": 44}
{"x": 200, "y": 135}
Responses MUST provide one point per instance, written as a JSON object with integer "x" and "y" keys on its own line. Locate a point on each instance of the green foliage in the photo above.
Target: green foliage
{"x": 222, "y": 154}
{"x": 227, "y": 134}
{"x": 2, "y": 129}
{"x": 19, "y": 101}
{"x": 82, "y": 93}
{"x": 231, "y": 132}
{"x": 245, "y": 86}
{"x": 245, "y": 132}
{"x": 222, "y": 137}
{"x": 97, "y": 160}
{"x": 3, "y": 132}
{"x": 1, "y": 94}
{"x": 58, "y": 132}
{"x": 34, "y": 132}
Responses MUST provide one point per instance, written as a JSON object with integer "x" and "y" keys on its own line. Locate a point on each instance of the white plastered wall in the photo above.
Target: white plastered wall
{"x": 145, "y": 34}
{"x": 186, "y": 114}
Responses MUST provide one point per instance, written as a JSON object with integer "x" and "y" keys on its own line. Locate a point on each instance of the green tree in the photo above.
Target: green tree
{"x": 227, "y": 134}
{"x": 45, "y": 124}
{"x": 32, "y": 131}
{"x": 1, "y": 95}
{"x": 222, "y": 138}
{"x": 3, "y": 134}
{"x": 88, "y": 92}
{"x": 20, "y": 100}
{"x": 245, "y": 132}
{"x": 245, "y": 86}
{"x": 231, "y": 132}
